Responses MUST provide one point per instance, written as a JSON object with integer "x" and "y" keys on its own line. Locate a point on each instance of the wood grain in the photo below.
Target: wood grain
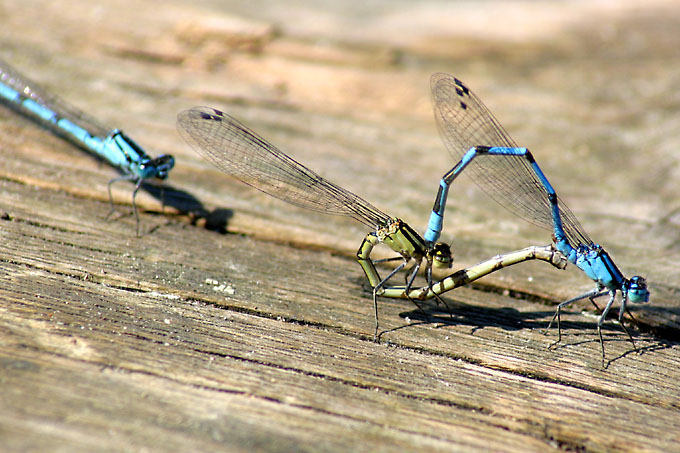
{"x": 240, "y": 323}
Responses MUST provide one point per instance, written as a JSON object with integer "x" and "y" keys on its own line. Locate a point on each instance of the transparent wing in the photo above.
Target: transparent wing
{"x": 32, "y": 90}
{"x": 241, "y": 153}
{"x": 464, "y": 122}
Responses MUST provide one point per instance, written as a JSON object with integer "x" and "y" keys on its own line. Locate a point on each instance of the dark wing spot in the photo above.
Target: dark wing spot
{"x": 463, "y": 105}
{"x": 461, "y": 85}
{"x": 218, "y": 112}
{"x": 208, "y": 116}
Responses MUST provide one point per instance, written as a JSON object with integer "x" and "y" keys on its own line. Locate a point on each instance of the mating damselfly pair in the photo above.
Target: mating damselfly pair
{"x": 472, "y": 135}
{"x": 481, "y": 146}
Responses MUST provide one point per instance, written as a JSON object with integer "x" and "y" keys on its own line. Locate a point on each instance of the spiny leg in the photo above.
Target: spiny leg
{"x": 622, "y": 310}
{"x": 430, "y": 288}
{"x": 385, "y": 260}
{"x": 374, "y": 279}
{"x": 600, "y": 321}
{"x": 375, "y": 294}
{"x": 559, "y": 311}
{"x": 134, "y": 194}
{"x": 409, "y": 279}
{"x": 630, "y": 337}
{"x": 592, "y": 300}
{"x": 134, "y": 202}
{"x": 624, "y": 327}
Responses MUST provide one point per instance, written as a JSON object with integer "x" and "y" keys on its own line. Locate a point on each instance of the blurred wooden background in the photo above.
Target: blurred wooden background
{"x": 240, "y": 323}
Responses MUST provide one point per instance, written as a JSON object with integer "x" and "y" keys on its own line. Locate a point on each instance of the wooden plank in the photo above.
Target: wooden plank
{"x": 161, "y": 329}
{"x": 261, "y": 339}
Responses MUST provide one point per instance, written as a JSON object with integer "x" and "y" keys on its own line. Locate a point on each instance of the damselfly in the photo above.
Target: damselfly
{"x": 66, "y": 121}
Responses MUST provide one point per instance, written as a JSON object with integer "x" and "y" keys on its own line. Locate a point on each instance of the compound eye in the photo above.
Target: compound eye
{"x": 441, "y": 256}
{"x": 637, "y": 290}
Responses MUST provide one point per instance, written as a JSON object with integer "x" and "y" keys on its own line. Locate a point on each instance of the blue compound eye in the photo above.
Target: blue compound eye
{"x": 637, "y": 291}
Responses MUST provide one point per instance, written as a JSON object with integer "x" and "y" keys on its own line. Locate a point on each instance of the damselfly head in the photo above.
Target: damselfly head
{"x": 442, "y": 257}
{"x": 163, "y": 164}
{"x": 637, "y": 290}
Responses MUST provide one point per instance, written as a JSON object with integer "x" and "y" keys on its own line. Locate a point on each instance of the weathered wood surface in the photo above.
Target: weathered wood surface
{"x": 190, "y": 339}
